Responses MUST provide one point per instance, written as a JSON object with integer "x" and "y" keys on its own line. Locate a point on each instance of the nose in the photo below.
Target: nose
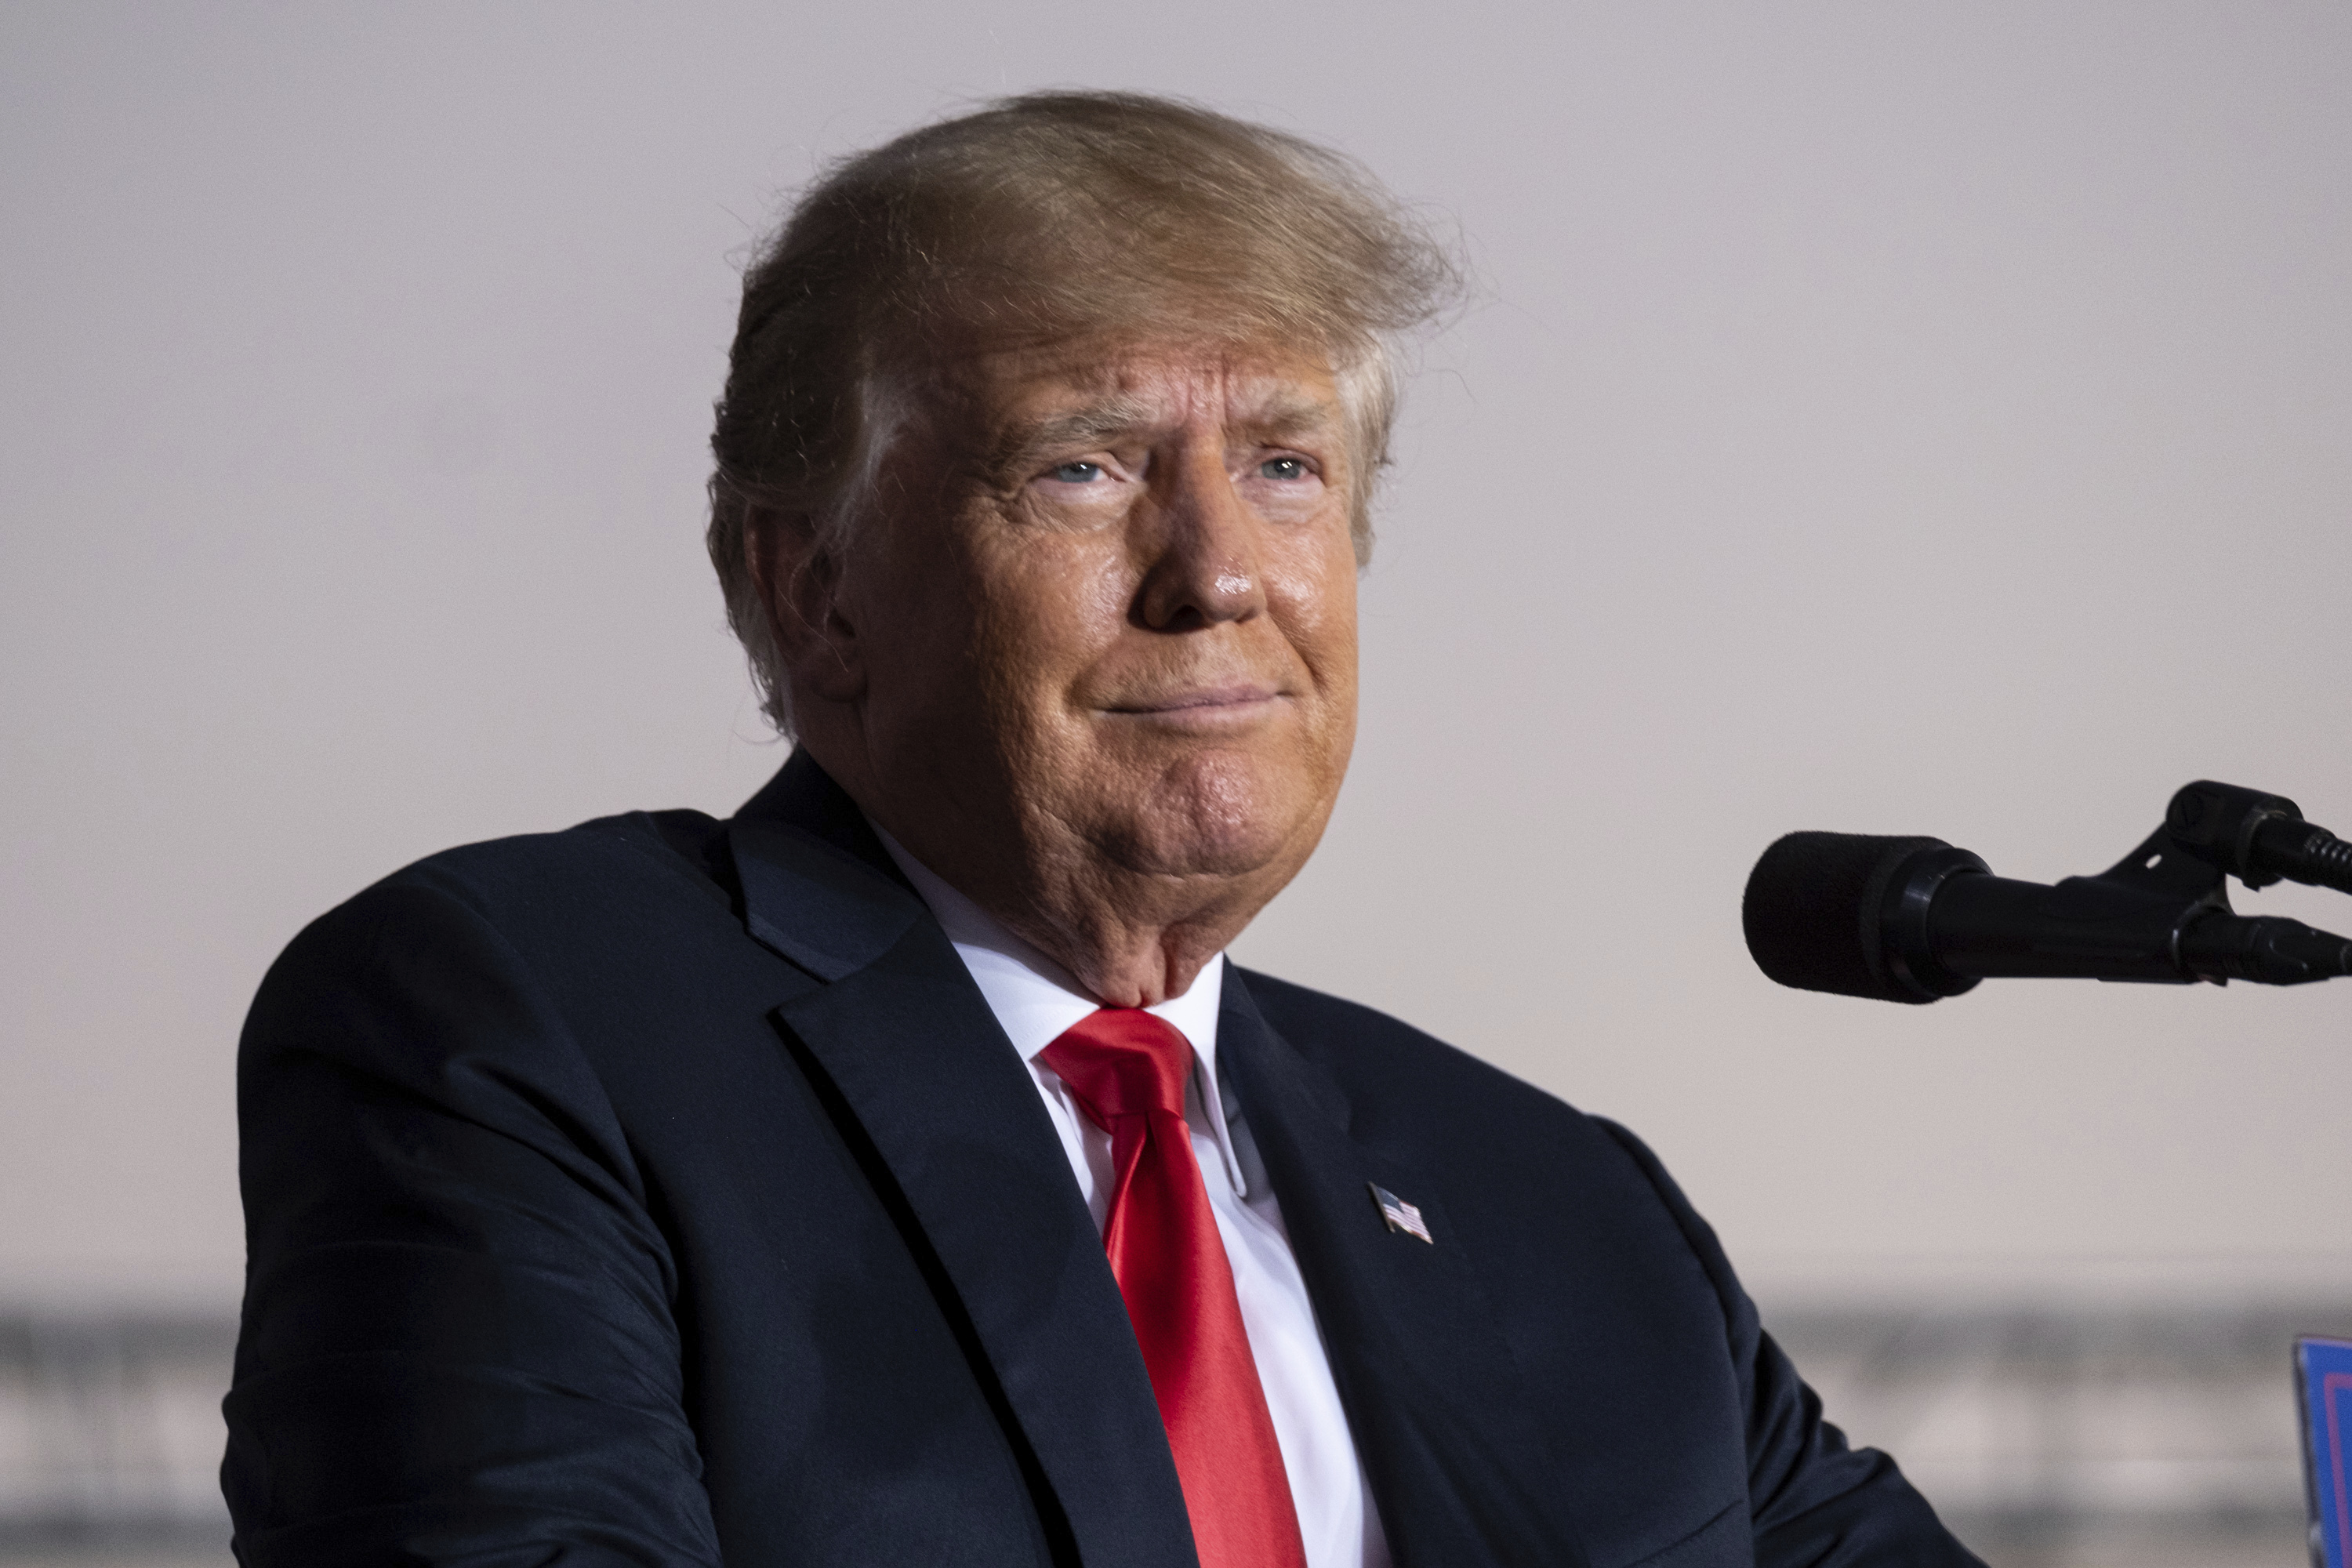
{"x": 1202, "y": 564}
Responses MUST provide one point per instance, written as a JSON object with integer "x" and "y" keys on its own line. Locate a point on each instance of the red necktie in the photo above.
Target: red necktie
{"x": 1127, "y": 1071}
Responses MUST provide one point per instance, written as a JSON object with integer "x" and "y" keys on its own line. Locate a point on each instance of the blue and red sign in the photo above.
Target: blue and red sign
{"x": 2323, "y": 1369}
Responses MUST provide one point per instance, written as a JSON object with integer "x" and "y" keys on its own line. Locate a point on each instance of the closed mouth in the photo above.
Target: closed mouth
{"x": 1238, "y": 695}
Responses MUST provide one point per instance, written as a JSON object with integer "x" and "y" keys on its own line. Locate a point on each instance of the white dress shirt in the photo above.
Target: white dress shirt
{"x": 1035, "y": 999}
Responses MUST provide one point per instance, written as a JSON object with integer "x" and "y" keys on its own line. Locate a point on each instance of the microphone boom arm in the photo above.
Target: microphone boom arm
{"x": 2160, "y": 915}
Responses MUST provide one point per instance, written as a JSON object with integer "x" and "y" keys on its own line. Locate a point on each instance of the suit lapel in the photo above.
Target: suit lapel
{"x": 904, "y": 1046}
{"x": 1460, "y": 1470}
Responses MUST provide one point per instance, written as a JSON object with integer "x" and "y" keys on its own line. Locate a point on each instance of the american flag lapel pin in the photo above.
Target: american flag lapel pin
{"x": 1401, "y": 1215}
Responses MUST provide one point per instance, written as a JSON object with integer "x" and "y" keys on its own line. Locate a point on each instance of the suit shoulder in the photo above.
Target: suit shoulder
{"x": 573, "y": 874}
{"x": 534, "y": 888}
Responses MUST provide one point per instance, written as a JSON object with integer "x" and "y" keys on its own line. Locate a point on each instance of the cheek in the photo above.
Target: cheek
{"x": 1043, "y": 614}
{"x": 1313, "y": 591}
{"x": 904, "y": 609}
{"x": 1320, "y": 599}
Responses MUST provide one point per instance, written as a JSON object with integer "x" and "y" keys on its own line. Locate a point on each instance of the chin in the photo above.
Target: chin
{"x": 1221, "y": 815}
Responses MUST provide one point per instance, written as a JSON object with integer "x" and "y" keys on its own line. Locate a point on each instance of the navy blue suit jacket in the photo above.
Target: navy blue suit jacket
{"x": 663, "y": 1192}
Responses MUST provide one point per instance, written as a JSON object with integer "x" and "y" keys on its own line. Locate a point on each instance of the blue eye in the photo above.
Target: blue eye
{"x": 1076, "y": 473}
{"x": 1283, "y": 468}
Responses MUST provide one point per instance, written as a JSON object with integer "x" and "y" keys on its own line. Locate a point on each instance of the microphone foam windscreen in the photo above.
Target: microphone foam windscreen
{"x": 1811, "y": 911}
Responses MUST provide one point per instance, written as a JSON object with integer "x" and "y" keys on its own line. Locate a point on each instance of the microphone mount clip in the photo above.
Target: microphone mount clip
{"x": 2159, "y": 915}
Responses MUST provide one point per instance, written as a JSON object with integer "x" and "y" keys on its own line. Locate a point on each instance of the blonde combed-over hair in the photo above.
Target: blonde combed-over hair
{"x": 1052, "y": 217}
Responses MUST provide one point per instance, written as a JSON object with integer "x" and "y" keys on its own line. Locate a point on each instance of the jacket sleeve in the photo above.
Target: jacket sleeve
{"x": 457, "y": 1344}
{"x": 1815, "y": 1502}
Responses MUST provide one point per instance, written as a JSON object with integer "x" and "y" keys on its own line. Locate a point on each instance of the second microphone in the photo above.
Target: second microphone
{"x": 1913, "y": 919}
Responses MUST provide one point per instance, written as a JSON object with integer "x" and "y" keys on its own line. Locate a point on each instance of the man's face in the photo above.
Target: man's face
{"x": 1106, "y": 624}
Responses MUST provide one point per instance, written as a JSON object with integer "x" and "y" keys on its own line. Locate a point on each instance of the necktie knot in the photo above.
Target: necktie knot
{"x": 1123, "y": 1061}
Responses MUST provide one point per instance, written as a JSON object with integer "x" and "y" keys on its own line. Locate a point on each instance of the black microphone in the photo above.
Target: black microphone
{"x": 1913, "y": 919}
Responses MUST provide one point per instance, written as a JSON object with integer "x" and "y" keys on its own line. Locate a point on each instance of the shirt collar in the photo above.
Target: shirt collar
{"x": 1035, "y": 999}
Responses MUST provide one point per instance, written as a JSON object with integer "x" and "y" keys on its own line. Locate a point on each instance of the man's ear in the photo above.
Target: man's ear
{"x": 800, "y": 585}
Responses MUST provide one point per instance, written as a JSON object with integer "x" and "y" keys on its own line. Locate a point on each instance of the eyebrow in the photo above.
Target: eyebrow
{"x": 1101, "y": 422}
{"x": 1092, "y": 425}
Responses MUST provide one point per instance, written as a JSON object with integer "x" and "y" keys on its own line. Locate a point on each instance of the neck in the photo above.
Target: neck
{"x": 1130, "y": 928}
{"x": 1121, "y": 960}
{"x": 1127, "y": 941}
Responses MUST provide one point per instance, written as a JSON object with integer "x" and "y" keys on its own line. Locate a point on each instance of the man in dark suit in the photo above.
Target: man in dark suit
{"x": 898, "y": 1172}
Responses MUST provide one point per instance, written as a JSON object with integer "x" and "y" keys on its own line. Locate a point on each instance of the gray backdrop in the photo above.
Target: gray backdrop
{"x": 1926, "y": 418}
